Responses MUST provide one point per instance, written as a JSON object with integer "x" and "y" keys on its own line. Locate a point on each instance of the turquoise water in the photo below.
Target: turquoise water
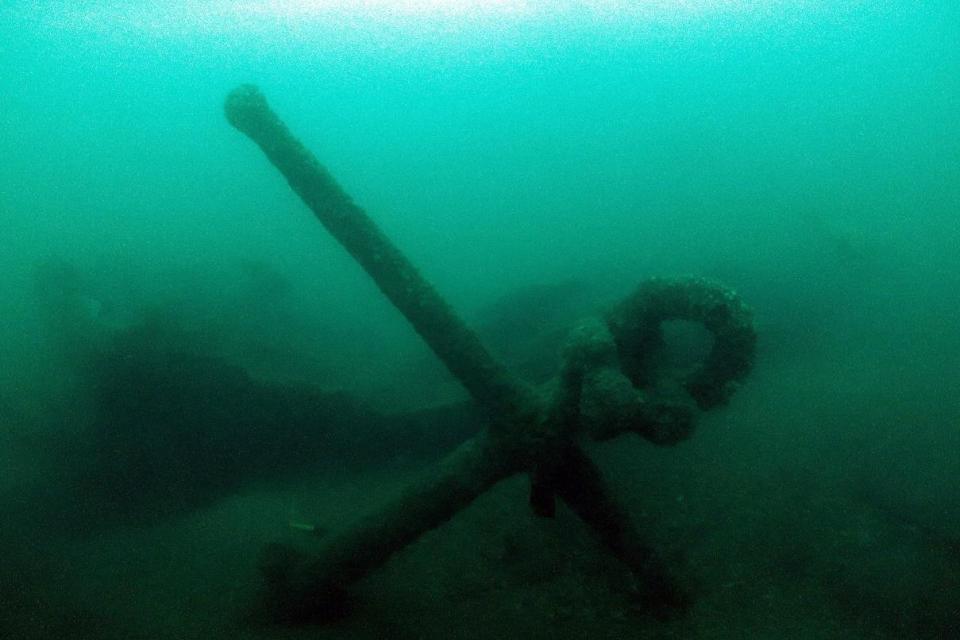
{"x": 806, "y": 154}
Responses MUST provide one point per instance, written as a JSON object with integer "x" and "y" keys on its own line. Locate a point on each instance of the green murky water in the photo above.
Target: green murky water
{"x": 177, "y": 328}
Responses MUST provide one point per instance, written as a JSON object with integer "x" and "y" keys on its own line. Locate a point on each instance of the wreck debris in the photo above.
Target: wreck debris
{"x": 530, "y": 431}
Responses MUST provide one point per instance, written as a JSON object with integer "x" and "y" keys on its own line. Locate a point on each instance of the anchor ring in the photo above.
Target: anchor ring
{"x": 635, "y": 325}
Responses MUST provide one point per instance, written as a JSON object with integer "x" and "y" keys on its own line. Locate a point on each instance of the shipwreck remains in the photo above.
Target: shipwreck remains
{"x": 604, "y": 389}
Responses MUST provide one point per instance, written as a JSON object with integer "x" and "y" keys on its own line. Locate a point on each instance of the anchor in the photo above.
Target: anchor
{"x": 609, "y": 384}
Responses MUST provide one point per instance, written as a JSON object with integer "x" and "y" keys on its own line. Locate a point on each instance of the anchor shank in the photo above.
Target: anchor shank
{"x": 579, "y": 483}
{"x": 456, "y": 345}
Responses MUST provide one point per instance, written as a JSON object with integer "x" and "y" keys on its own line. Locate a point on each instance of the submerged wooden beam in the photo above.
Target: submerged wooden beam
{"x": 528, "y": 432}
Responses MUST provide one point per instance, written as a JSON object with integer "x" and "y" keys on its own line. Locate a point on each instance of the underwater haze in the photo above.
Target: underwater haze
{"x": 193, "y": 368}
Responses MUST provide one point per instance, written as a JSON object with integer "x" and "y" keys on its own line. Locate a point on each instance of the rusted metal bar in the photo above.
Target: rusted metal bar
{"x": 507, "y": 401}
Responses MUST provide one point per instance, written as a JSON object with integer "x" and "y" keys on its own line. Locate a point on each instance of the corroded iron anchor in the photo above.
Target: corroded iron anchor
{"x": 605, "y": 388}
